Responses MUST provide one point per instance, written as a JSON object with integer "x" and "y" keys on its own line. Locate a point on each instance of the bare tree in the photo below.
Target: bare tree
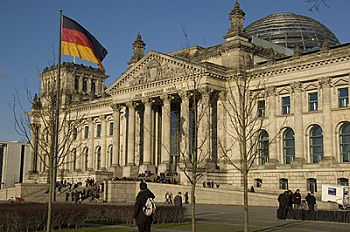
{"x": 316, "y": 4}
{"x": 243, "y": 127}
{"x": 39, "y": 127}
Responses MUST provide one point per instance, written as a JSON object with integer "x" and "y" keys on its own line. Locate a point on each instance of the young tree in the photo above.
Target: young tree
{"x": 40, "y": 127}
{"x": 243, "y": 127}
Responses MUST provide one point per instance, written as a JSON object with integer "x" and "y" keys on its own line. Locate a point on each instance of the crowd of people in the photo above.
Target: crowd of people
{"x": 289, "y": 200}
{"x": 210, "y": 184}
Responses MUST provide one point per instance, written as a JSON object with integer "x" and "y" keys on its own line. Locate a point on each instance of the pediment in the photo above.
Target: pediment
{"x": 284, "y": 91}
{"x": 310, "y": 87}
{"x": 341, "y": 82}
{"x": 153, "y": 67}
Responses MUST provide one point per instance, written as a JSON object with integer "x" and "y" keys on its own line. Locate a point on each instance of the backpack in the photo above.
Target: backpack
{"x": 150, "y": 207}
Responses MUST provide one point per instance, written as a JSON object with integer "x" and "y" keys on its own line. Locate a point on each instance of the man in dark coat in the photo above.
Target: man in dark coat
{"x": 178, "y": 200}
{"x": 143, "y": 222}
{"x": 283, "y": 203}
{"x": 311, "y": 201}
{"x": 297, "y": 199}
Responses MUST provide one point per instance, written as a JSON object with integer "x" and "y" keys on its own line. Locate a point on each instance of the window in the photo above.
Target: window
{"x": 84, "y": 85}
{"x": 288, "y": 146}
{"x": 74, "y": 159}
{"x": 98, "y": 152}
{"x": 284, "y": 183}
{"x": 261, "y": 108}
{"x": 343, "y": 181}
{"x": 76, "y": 83}
{"x": 345, "y": 143}
{"x": 316, "y": 144}
{"x": 74, "y": 133}
{"x": 263, "y": 148}
{"x": 258, "y": 182}
{"x": 93, "y": 87}
{"x": 111, "y": 128}
{"x": 86, "y": 153}
{"x": 285, "y": 105}
{"x": 98, "y": 130}
{"x": 313, "y": 101}
{"x": 86, "y": 132}
{"x": 110, "y": 156}
{"x": 311, "y": 185}
{"x": 343, "y": 96}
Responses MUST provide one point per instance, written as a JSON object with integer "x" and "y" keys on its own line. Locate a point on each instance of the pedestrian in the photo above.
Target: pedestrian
{"x": 178, "y": 200}
{"x": 186, "y": 198}
{"x": 143, "y": 221}
{"x": 297, "y": 199}
{"x": 290, "y": 200}
{"x": 167, "y": 198}
{"x": 283, "y": 203}
{"x": 311, "y": 201}
{"x": 67, "y": 196}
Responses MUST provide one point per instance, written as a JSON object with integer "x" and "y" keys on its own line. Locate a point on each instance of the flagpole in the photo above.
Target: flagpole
{"x": 57, "y": 113}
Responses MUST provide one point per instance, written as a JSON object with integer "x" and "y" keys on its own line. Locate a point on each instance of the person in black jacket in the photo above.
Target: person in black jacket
{"x": 311, "y": 201}
{"x": 143, "y": 222}
{"x": 283, "y": 203}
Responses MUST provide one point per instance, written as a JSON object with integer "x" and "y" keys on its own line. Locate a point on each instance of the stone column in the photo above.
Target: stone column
{"x": 103, "y": 142}
{"x": 273, "y": 159}
{"x": 165, "y": 143}
{"x": 147, "y": 131}
{"x": 298, "y": 126}
{"x": 91, "y": 145}
{"x": 131, "y": 134}
{"x": 33, "y": 165}
{"x": 221, "y": 127}
{"x": 116, "y": 134}
{"x": 185, "y": 124}
{"x": 204, "y": 123}
{"x": 327, "y": 119}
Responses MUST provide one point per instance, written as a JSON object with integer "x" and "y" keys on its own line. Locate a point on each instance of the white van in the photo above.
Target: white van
{"x": 336, "y": 193}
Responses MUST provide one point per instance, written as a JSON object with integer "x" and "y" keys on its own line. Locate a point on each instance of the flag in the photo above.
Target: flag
{"x": 77, "y": 41}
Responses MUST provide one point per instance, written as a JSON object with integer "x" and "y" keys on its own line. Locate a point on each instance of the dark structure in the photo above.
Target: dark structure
{"x": 289, "y": 29}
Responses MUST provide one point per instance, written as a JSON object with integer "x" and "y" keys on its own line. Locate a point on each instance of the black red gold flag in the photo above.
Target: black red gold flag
{"x": 77, "y": 41}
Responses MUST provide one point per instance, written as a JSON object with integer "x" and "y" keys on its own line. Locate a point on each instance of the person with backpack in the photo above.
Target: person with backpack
{"x": 144, "y": 208}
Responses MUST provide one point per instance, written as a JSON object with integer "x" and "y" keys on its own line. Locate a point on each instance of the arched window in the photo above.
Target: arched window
{"x": 263, "y": 148}
{"x": 345, "y": 143}
{"x": 288, "y": 146}
{"x": 258, "y": 182}
{"x": 316, "y": 144}
{"x": 98, "y": 152}
{"x": 86, "y": 154}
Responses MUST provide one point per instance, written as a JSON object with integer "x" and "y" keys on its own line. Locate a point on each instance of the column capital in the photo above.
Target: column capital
{"x": 296, "y": 86}
{"x": 116, "y": 107}
{"x": 147, "y": 101}
{"x": 324, "y": 82}
{"x": 131, "y": 104}
{"x": 166, "y": 98}
{"x": 222, "y": 96}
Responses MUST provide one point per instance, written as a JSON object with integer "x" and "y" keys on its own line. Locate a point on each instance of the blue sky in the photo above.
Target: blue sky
{"x": 29, "y": 33}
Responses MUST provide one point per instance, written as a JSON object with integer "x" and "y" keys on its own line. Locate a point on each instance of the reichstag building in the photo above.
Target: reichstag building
{"x": 167, "y": 109}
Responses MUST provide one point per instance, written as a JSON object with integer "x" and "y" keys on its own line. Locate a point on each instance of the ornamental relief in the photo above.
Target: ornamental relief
{"x": 155, "y": 71}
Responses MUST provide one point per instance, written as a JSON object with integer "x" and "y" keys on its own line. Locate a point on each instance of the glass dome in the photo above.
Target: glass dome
{"x": 289, "y": 29}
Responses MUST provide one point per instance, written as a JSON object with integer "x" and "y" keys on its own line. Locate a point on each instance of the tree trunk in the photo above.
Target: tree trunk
{"x": 245, "y": 201}
{"x": 193, "y": 204}
{"x": 49, "y": 205}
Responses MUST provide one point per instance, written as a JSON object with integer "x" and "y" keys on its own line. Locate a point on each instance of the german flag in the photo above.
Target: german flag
{"x": 77, "y": 41}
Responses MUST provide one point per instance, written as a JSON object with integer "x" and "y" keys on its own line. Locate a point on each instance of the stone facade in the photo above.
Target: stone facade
{"x": 145, "y": 119}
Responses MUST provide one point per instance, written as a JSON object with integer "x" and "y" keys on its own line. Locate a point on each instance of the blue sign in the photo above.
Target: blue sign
{"x": 332, "y": 191}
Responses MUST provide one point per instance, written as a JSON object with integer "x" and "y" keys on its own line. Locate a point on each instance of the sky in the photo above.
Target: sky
{"x": 29, "y": 34}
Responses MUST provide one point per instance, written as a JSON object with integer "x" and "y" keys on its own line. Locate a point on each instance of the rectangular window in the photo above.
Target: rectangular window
{"x": 86, "y": 132}
{"x": 284, "y": 183}
{"x": 285, "y": 105}
{"x": 74, "y": 134}
{"x": 111, "y": 128}
{"x": 98, "y": 130}
{"x": 343, "y": 96}
{"x": 313, "y": 101}
{"x": 261, "y": 108}
{"x": 312, "y": 185}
